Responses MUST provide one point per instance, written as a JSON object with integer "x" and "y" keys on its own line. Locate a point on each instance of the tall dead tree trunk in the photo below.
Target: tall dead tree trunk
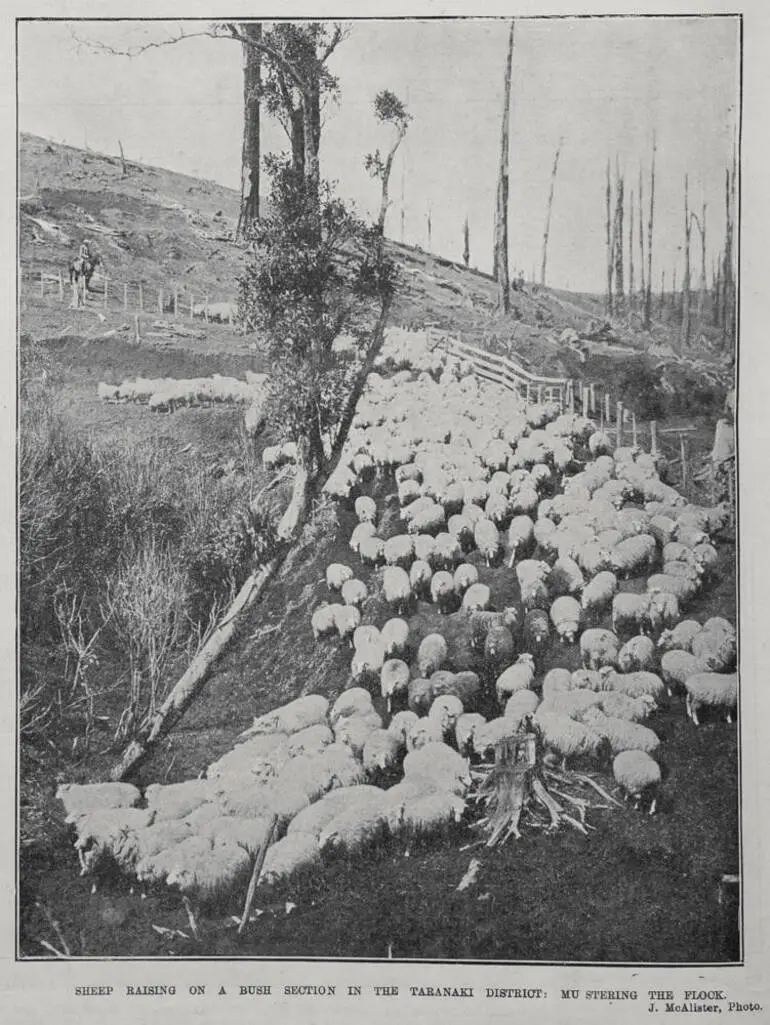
{"x": 466, "y": 244}
{"x": 618, "y": 232}
{"x": 684, "y": 334}
{"x": 641, "y": 237}
{"x": 703, "y": 284}
{"x": 728, "y": 279}
{"x": 648, "y": 298}
{"x": 500, "y": 260}
{"x": 716, "y": 312}
{"x": 662, "y": 303}
{"x": 123, "y": 170}
{"x": 608, "y": 225}
{"x": 250, "y": 153}
{"x": 547, "y": 229}
{"x": 630, "y": 255}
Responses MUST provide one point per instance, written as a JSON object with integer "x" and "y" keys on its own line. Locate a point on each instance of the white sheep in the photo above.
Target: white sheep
{"x": 571, "y": 702}
{"x": 487, "y": 539}
{"x": 715, "y": 651}
{"x": 371, "y": 550}
{"x": 323, "y": 622}
{"x": 587, "y": 679}
{"x": 394, "y": 679}
{"x": 398, "y": 590}
{"x": 367, "y": 661}
{"x": 296, "y": 853}
{"x": 359, "y": 533}
{"x": 352, "y": 731}
{"x": 428, "y": 521}
{"x": 663, "y": 610}
{"x": 442, "y": 590}
{"x": 621, "y": 706}
{"x": 347, "y": 619}
{"x": 680, "y": 637}
{"x": 424, "y": 547}
{"x": 365, "y": 509}
{"x": 684, "y": 589}
{"x": 476, "y": 598}
{"x": 676, "y": 666}
{"x": 566, "y": 737}
{"x": 556, "y": 681}
{"x": 440, "y": 763}
{"x": 408, "y": 491}
{"x": 424, "y": 731}
{"x": 336, "y": 575}
{"x": 313, "y": 819}
{"x": 521, "y": 536}
{"x": 420, "y": 576}
{"x": 487, "y": 736}
{"x": 366, "y": 635}
{"x": 519, "y": 676}
{"x": 292, "y": 717}
{"x": 566, "y": 577}
{"x": 208, "y": 868}
{"x": 521, "y": 704}
{"x": 354, "y": 592}
{"x": 395, "y": 637}
{"x": 465, "y": 576}
{"x": 431, "y": 654}
{"x": 532, "y": 575}
{"x": 176, "y": 800}
{"x": 83, "y": 798}
{"x": 593, "y": 558}
{"x": 637, "y": 774}
{"x": 634, "y": 555}
{"x": 461, "y": 527}
{"x": 401, "y": 723}
{"x": 599, "y": 648}
{"x": 465, "y": 728}
{"x": 630, "y": 613}
{"x": 399, "y": 550}
{"x": 598, "y": 593}
{"x": 447, "y": 552}
{"x": 105, "y": 832}
{"x": 711, "y": 690}
{"x": 621, "y": 734}
{"x": 430, "y": 813}
{"x": 566, "y": 615}
{"x": 637, "y": 653}
{"x": 634, "y": 684}
{"x": 381, "y": 752}
{"x": 446, "y": 709}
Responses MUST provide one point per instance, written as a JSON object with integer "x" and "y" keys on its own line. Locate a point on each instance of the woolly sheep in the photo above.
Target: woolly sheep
{"x": 358, "y": 828}
{"x": 637, "y": 774}
{"x": 531, "y": 576}
{"x": 521, "y": 536}
{"x": 105, "y": 832}
{"x": 354, "y": 592}
{"x": 427, "y": 814}
{"x": 688, "y": 535}
{"x": 497, "y": 509}
{"x": 381, "y": 752}
{"x": 587, "y": 679}
{"x": 634, "y": 555}
{"x": 633, "y": 684}
{"x": 408, "y": 492}
{"x": 630, "y": 613}
{"x": 420, "y": 576}
{"x": 364, "y": 636}
{"x": 481, "y": 623}
{"x": 83, "y": 798}
{"x": 622, "y": 734}
{"x": 637, "y": 653}
{"x": 442, "y": 590}
{"x": 621, "y": 706}
{"x": 176, "y": 800}
{"x": 292, "y": 717}
{"x": 556, "y": 681}
{"x": 446, "y": 709}
{"x": 424, "y": 731}
{"x": 323, "y": 622}
{"x": 371, "y": 551}
{"x": 476, "y": 598}
{"x": 571, "y": 702}
{"x": 336, "y": 575}
{"x": 487, "y": 539}
{"x": 566, "y": 616}
{"x": 401, "y": 723}
{"x": 395, "y": 637}
{"x": 681, "y": 568}
{"x": 716, "y": 624}
{"x": 566, "y": 578}
{"x": 365, "y": 509}
{"x": 676, "y": 666}
{"x": 347, "y": 619}
{"x": 487, "y": 736}
{"x": 707, "y": 557}
{"x": 424, "y": 548}
{"x": 431, "y": 654}
{"x": 519, "y": 676}
{"x": 408, "y": 472}
{"x": 353, "y": 701}
{"x": 566, "y": 737}
{"x": 428, "y": 521}
{"x": 465, "y": 728}
{"x": 447, "y": 552}
{"x": 208, "y": 868}
{"x": 683, "y": 588}
{"x": 680, "y": 637}
{"x": 256, "y": 759}
{"x": 715, "y": 652}
{"x": 711, "y": 690}
{"x": 398, "y": 590}
{"x": 438, "y": 762}
{"x": 599, "y": 648}
{"x": 663, "y": 610}
{"x": 341, "y": 765}
{"x": 599, "y": 592}
{"x": 521, "y": 704}
{"x": 464, "y": 577}
{"x": 399, "y": 550}
{"x": 394, "y": 679}
{"x": 662, "y": 529}
{"x": 354, "y": 730}
{"x": 367, "y": 661}
{"x": 361, "y": 531}
{"x": 593, "y": 558}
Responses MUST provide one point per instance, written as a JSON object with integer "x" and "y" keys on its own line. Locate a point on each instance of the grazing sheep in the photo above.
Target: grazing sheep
{"x": 106, "y": 833}
{"x": 394, "y": 679}
{"x": 408, "y": 472}
{"x": 521, "y": 536}
{"x": 353, "y": 730}
{"x": 600, "y": 444}
{"x": 313, "y": 819}
{"x": 399, "y": 551}
{"x": 84, "y": 798}
{"x": 430, "y": 813}
{"x": 566, "y": 737}
{"x": 347, "y": 620}
{"x": 447, "y": 552}
{"x": 487, "y": 539}
{"x": 521, "y": 704}
{"x": 593, "y": 558}
{"x": 408, "y": 491}
{"x": 395, "y": 637}
{"x": 442, "y": 590}
{"x": 621, "y": 734}
{"x": 461, "y": 527}
{"x": 465, "y": 729}
{"x": 359, "y": 533}
{"x": 715, "y": 651}
{"x": 208, "y": 868}
{"x": 707, "y": 557}
{"x": 680, "y": 637}
{"x": 688, "y": 535}
{"x": 371, "y": 551}
{"x": 556, "y": 681}
{"x": 497, "y": 509}
{"x": 482, "y": 622}
{"x": 340, "y": 765}
{"x": 401, "y": 723}
{"x": 476, "y": 598}
{"x": 397, "y": 589}
{"x": 440, "y": 763}
{"x": 621, "y": 706}
{"x": 428, "y": 520}
{"x": 711, "y": 690}
{"x": 599, "y": 648}
{"x": 662, "y": 529}
{"x": 425, "y": 548}
{"x": 381, "y": 752}
{"x": 634, "y": 684}
{"x": 681, "y": 568}
{"x": 719, "y": 625}
{"x": 499, "y": 646}
{"x": 571, "y": 702}
{"x": 365, "y": 509}
{"x": 676, "y": 666}
{"x": 323, "y": 622}
{"x": 634, "y": 555}
{"x": 353, "y": 701}
{"x": 365, "y": 636}
{"x": 465, "y": 576}
{"x": 587, "y": 679}
{"x": 630, "y": 613}
{"x": 354, "y": 592}
{"x": 566, "y": 616}
{"x": 519, "y": 676}
{"x": 638, "y": 653}
{"x": 566, "y": 577}
{"x": 490, "y": 734}
{"x": 336, "y": 575}
{"x": 532, "y": 575}
{"x": 446, "y": 710}
{"x": 420, "y": 576}
{"x": 292, "y": 717}
{"x": 599, "y": 592}
{"x": 663, "y": 610}
{"x": 637, "y": 774}
{"x": 359, "y": 828}
{"x": 431, "y": 654}
{"x": 684, "y": 589}
{"x": 424, "y": 731}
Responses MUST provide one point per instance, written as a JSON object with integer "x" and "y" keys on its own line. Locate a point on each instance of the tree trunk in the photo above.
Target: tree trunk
{"x": 466, "y": 244}
{"x": 384, "y": 202}
{"x": 630, "y": 255}
{"x": 501, "y": 213}
{"x": 547, "y": 230}
{"x": 311, "y": 124}
{"x": 716, "y": 313}
{"x": 703, "y": 281}
{"x": 662, "y": 304}
{"x": 641, "y": 236}
{"x": 250, "y": 154}
{"x": 684, "y": 335}
{"x": 618, "y": 233}
{"x": 123, "y": 171}
{"x": 608, "y": 224}
{"x": 648, "y": 298}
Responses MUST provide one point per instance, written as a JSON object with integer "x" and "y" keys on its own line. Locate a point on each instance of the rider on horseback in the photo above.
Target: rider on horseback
{"x": 85, "y": 251}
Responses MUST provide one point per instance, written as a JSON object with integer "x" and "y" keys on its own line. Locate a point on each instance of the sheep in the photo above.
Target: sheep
{"x": 442, "y": 590}
{"x": 207, "y": 868}
{"x": 687, "y": 535}
{"x": 519, "y": 676}
{"x": 408, "y": 491}
{"x": 476, "y": 598}
{"x": 336, "y": 575}
{"x": 487, "y": 539}
{"x": 424, "y": 548}
{"x": 446, "y": 709}
{"x": 599, "y": 444}
{"x": 630, "y": 613}
{"x": 662, "y": 529}
{"x": 292, "y": 717}
{"x": 598, "y": 593}
{"x": 258, "y": 758}
{"x": 447, "y": 552}
{"x": 716, "y": 624}
{"x": 544, "y": 530}
{"x": 556, "y": 681}
{"x": 360, "y": 827}
{"x": 426, "y": 814}
{"x": 622, "y": 734}
{"x": 634, "y": 555}
{"x": 395, "y": 637}
{"x": 424, "y": 731}
{"x": 371, "y": 550}
{"x": 663, "y": 610}
{"x": 681, "y": 568}
{"x": 521, "y": 536}
{"x": 367, "y": 661}
{"x": 431, "y": 654}
{"x": 323, "y": 622}
{"x": 475, "y": 492}
{"x": 680, "y": 637}
{"x": 487, "y": 736}
{"x": 532, "y": 575}
{"x": 106, "y": 832}
{"x": 465, "y": 576}
{"x": 715, "y": 651}
{"x": 176, "y": 800}
{"x": 408, "y": 472}
{"x": 566, "y": 615}
{"x": 353, "y": 701}
{"x": 364, "y": 636}
{"x": 633, "y": 684}
{"x": 499, "y": 646}
{"x": 707, "y": 557}
{"x": 621, "y": 706}
{"x": 593, "y": 558}
{"x": 420, "y": 576}
{"x": 521, "y": 704}
{"x": 353, "y": 730}
{"x": 359, "y": 533}
{"x": 599, "y": 648}
{"x": 676, "y": 666}
{"x": 399, "y": 550}
{"x": 711, "y": 690}
{"x": 428, "y": 520}
{"x": 461, "y": 527}
{"x": 482, "y": 622}
{"x": 566, "y": 737}
{"x": 83, "y": 798}
{"x": 347, "y": 620}
{"x": 440, "y": 763}
{"x": 401, "y": 723}
{"x": 365, "y": 509}
{"x": 354, "y": 592}
{"x": 250, "y": 834}
{"x": 637, "y": 653}
{"x": 394, "y": 679}
{"x": 637, "y": 774}
{"x": 381, "y": 752}
{"x": 497, "y": 509}
{"x": 465, "y": 728}
{"x": 398, "y": 590}
{"x": 683, "y": 588}
{"x": 566, "y": 577}
{"x": 587, "y": 679}
{"x": 572, "y": 703}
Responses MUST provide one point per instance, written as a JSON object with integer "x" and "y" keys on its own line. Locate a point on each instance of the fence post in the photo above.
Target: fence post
{"x": 125, "y": 295}
{"x": 571, "y": 390}
{"x": 160, "y": 301}
{"x": 141, "y": 298}
{"x": 539, "y": 394}
{"x": 42, "y": 284}
{"x": 592, "y": 394}
{"x": 585, "y": 403}
{"x": 633, "y": 430}
{"x": 683, "y": 454}
{"x": 176, "y": 302}
{"x": 206, "y": 309}
{"x": 653, "y": 438}
{"x": 106, "y": 292}
{"x": 61, "y": 286}
{"x": 607, "y": 416}
{"x": 137, "y": 334}
{"x": 619, "y": 424}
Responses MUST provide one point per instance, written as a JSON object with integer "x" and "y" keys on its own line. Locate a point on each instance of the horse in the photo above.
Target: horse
{"x": 81, "y": 271}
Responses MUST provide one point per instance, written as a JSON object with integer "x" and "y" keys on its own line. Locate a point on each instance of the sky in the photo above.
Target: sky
{"x": 603, "y": 85}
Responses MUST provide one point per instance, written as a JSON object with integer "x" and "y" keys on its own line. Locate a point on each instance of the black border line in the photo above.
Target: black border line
{"x": 246, "y": 958}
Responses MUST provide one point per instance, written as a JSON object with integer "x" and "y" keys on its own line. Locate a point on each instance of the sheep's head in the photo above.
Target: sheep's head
{"x": 526, "y": 659}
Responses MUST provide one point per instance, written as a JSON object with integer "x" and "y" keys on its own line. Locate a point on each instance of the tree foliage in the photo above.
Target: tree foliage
{"x": 388, "y": 110}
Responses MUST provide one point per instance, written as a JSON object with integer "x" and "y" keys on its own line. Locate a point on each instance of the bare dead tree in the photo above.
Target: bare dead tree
{"x": 648, "y": 300}
{"x": 662, "y": 303}
{"x": 618, "y": 235}
{"x": 123, "y": 169}
{"x": 608, "y": 225}
{"x": 703, "y": 284}
{"x": 466, "y": 244}
{"x": 728, "y": 278}
{"x": 716, "y": 312}
{"x": 388, "y": 110}
{"x": 641, "y": 235}
{"x": 630, "y": 255}
{"x": 251, "y": 152}
{"x": 500, "y": 260}
{"x": 684, "y": 334}
{"x": 547, "y": 229}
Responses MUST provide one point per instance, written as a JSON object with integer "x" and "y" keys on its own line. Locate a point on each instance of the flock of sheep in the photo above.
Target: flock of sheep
{"x": 476, "y": 494}
{"x": 166, "y": 394}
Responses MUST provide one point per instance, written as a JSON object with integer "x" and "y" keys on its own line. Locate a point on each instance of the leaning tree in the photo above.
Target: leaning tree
{"x": 388, "y": 110}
